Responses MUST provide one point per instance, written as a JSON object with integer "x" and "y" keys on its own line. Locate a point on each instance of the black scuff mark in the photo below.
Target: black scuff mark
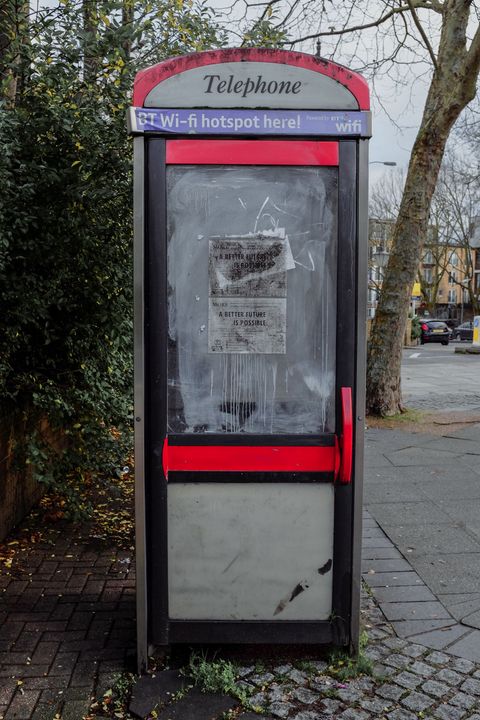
{"x": 300, "y": 588}
{"x": 231, "y": 563}
{"x": 297, "y": 590}
{"x": 325, "y": 568}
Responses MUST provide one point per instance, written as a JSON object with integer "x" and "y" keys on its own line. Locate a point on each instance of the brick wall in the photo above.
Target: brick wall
{"x": 19, "y": 491}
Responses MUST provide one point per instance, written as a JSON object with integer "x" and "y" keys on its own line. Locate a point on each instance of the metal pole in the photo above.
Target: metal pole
{"x": 139, "y": 362}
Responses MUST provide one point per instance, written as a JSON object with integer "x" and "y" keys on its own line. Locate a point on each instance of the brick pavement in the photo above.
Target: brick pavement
{"x": 67, "y": 624}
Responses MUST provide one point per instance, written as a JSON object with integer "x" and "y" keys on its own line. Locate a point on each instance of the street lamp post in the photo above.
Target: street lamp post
{"x": 380, "y": 260}
{"x": 381, "y": 255}
{"x": 463, "y": 286}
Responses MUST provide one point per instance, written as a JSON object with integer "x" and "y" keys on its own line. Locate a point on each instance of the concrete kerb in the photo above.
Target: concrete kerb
{"x": 469, "y": 350}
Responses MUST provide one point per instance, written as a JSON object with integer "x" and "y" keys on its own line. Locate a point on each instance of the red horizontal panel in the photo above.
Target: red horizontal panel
{"x": 251, "y": 152}
{"x": 264, "y": 458}
{"x": 149, "y": 77}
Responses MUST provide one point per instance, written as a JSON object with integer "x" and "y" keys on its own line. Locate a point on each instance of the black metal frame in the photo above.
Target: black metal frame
{"x": 161, "y": 630}
{"x": 345, "y": 377}
{"x": 156, "y": 391}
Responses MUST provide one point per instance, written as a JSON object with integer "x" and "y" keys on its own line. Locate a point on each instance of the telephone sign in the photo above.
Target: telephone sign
{"x": 250, "y": 290}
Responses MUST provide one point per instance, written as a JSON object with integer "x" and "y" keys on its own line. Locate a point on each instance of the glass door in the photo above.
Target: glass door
{"x": 251, "y": 288}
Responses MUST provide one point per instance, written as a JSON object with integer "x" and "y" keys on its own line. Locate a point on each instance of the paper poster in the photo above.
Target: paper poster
{"x": 248, "y": 267}
{"x": 247, "y": 325}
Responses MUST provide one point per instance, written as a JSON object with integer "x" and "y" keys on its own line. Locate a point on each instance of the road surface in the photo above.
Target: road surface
{"x": 434, "y": 377}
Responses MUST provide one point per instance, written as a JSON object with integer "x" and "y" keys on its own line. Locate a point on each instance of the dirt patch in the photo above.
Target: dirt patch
{"x": 436, "y": 422}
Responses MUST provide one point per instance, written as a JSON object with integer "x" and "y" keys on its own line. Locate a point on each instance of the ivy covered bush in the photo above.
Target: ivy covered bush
{"x": 66, "y": 319}
{"x": 66, "y": 224}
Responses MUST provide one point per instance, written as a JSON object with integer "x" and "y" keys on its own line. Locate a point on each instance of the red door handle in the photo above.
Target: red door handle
{"x": 346, "y": 439}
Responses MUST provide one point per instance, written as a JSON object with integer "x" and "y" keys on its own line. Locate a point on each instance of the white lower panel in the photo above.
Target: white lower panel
{"x": 250, "y": 551}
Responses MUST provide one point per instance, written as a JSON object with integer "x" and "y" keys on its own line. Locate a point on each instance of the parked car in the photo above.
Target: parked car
{"x": 434, "y": 331}
{"x": 464, "y": 331}
{"x": 451, "y": 324}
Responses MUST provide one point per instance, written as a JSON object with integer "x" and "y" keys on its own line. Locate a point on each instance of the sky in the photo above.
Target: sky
{"x": 397, "y": 109}
{"x": 398, "y": 90}
{"x": 391, "y": 142}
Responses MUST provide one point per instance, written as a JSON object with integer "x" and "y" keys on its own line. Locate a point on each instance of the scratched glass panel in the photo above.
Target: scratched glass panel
{"x": 251, "y": 299}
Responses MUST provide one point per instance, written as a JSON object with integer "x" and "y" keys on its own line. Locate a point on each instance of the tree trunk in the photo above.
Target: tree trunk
{"x": 385, "y": 349}
{"x": 427, "y": 301}
{"x": 127, "y": 23}
{"x": 90, "y": 59}
{"x": 7, "y": 81}
{"x": 453, "y": 87}
{"x": 473, "y": 297}
{"x": 14, "y": 33}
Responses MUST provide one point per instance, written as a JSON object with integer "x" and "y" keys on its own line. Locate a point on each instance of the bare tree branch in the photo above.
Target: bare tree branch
{"x": 422, "y": 33}
{"x": 473, "y": 54}
{"x": 354, "y": 28}
{"x": 415, "y": 4}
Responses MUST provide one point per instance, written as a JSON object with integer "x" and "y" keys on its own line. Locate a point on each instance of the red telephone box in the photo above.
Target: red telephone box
{"x": 250, "y": 295}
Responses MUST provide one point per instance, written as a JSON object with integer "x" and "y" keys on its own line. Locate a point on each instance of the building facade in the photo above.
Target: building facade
{"x": 448, "y": 274}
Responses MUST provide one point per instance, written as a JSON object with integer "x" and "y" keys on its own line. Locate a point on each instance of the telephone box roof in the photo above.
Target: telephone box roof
{"x": 150, "y": 77}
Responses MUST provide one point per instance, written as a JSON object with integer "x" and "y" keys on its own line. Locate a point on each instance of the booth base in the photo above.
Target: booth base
{"x": 253, "y": 633}
{"x": 250, "y": 551}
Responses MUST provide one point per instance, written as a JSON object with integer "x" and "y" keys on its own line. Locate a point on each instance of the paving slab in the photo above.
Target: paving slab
{"x": 392, "y": 439}
{"x": 462, "y": 602}
{"x": 467, "y": 647}
{"x": 403, "y": 594}
{"x": 382, "y": 553}
{"x": 463, "y": 510}
{"x": 473, "y": 528}
{"x": 386, "y": 565}
{"x": 388, "y": 492}
{"x": 151, "y": 690}
{"x": 472, "y": 620}
{"x": 377, "y": 542}
{"x": 471, "y": 432}
{"x": 442, "y": 638}
{"x": 445, "y": 475}
{"x": 460, "y": 446}
{"x": 390, "y": 475}
{"x": 372, "y": 531}
{"x": 449, "y": 573}
{"x": 460, "y": 482}
{"x": 410, "y": 628}
{"x": 418, "y": 513}
{"x": 377, "y": 460}
{"x": 423, "y": 610}
{"x": 431, "y": 538}
{"x": 421, "y": 457}
{"x": 198, "y": 706}
{"x": 392, "y": 579}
